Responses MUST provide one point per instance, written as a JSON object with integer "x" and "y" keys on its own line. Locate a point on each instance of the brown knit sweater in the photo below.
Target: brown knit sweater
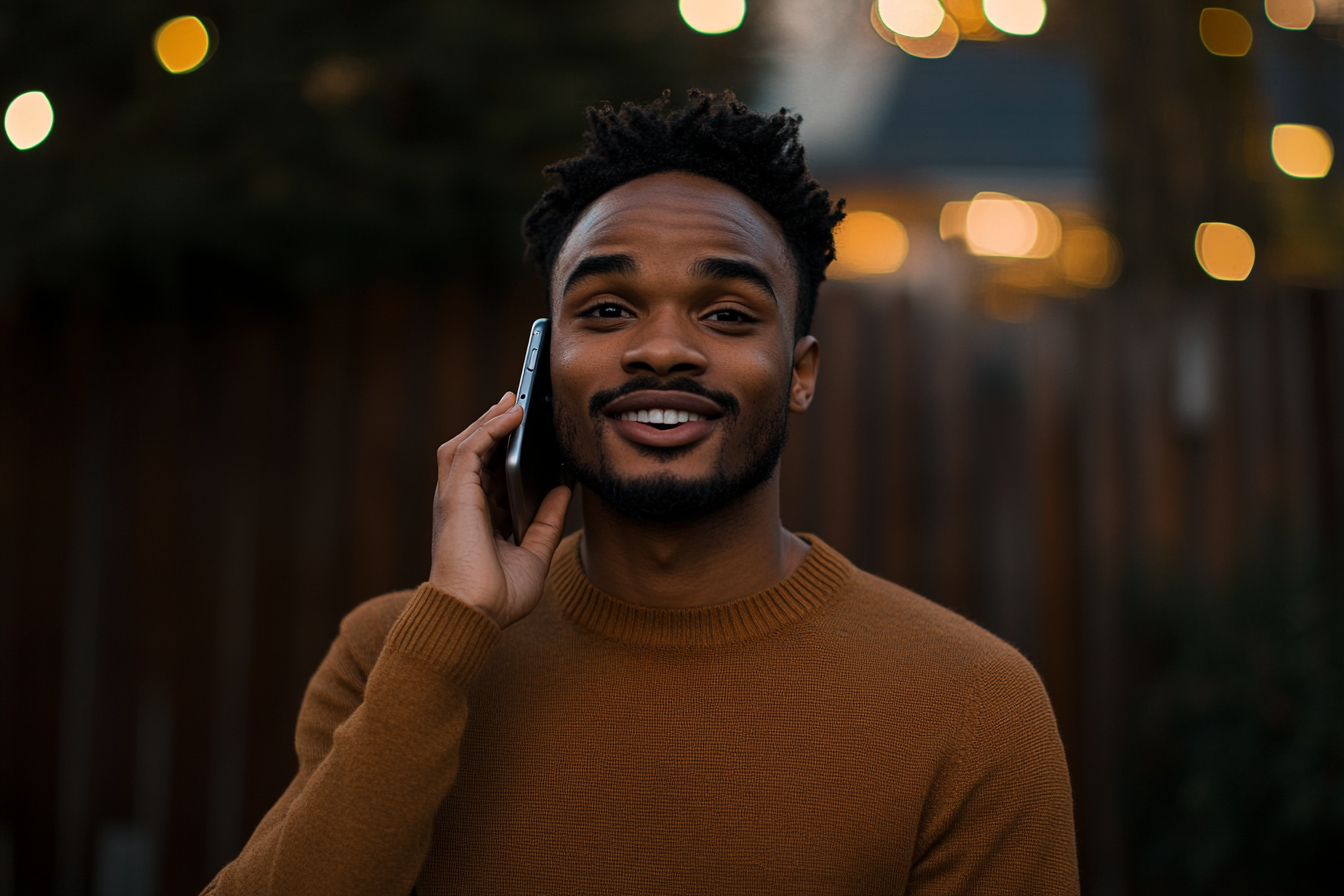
{"x": 832, "y": 734}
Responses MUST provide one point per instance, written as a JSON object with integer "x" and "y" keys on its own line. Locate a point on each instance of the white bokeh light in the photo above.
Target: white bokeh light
{"x": 28, "y": 120}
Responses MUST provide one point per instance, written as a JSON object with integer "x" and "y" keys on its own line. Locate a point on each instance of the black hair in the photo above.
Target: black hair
{"x": 712, "y": 136}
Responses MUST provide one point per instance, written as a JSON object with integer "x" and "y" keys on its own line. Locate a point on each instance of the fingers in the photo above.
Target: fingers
{"x": 448, "y": 449}
{"x": 543, "y": 536}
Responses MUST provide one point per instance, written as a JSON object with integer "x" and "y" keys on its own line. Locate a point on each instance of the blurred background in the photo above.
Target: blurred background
{"x": 1083, "y": 376}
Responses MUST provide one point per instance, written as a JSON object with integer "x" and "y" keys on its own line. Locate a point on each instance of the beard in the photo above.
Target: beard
{"x": 664, "y": 497}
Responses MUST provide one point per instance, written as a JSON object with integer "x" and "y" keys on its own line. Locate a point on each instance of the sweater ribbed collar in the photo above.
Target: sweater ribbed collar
{"x": 815, "y": 582}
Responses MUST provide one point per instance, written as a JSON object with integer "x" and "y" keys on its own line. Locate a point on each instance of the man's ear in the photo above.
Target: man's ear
{"x": 806, "y": 358}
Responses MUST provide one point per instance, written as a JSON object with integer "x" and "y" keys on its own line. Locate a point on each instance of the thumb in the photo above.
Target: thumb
{"x": 543, "y": 536}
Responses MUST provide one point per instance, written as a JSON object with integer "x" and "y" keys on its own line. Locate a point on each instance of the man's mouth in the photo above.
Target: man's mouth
{"x": 664, "y": 418}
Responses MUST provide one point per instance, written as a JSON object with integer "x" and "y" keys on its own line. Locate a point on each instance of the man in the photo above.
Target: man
{"x": 684, "y": 697}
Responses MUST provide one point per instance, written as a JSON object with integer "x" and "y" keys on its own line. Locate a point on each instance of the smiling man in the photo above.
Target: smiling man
{"x": 685, "y": 697}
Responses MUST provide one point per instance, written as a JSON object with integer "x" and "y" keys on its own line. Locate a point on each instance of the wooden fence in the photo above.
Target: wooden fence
{"x": 189, "y": 503}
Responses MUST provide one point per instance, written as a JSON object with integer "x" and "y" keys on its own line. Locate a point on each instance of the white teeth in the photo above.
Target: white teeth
{"x": 661, "y": 415}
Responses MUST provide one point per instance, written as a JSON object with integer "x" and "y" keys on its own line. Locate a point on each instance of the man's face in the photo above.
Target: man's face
{"x": 672, "y": 352}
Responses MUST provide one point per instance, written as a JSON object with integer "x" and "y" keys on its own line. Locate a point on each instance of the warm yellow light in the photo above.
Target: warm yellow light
{"x": 952, "y": 220}
{"x": 1295, "y": 15}
{"x": 1302, "y": 150}
{"x": 1224, "y": 32}
{"x": 1224, "y": 251}
{"x": 869, "y": 243}
{"x": 28, "y": 119}
{"x": 182, "y": 44}
{"x": 1016, "y": 16}
{"x": 971, "y": 21}
{"x": 911, "y": 18}
{"x": 713, "y": 16}
{"x": 999, "y": 224}
{"x": 935, "y": 46}
{"x": 1089, "y": 257}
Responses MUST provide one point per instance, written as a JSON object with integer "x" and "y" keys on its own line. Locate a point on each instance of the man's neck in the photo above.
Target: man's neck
{"x": 734, "y": 553}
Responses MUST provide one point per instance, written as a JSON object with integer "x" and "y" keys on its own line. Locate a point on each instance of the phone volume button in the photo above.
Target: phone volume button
{"x": 532, "y": 359}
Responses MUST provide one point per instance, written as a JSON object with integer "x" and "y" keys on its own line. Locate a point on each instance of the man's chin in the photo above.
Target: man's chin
{"x": 663, "y": 497}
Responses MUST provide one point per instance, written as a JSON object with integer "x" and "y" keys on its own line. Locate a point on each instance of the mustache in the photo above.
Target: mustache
{"x": 731, "y": 406}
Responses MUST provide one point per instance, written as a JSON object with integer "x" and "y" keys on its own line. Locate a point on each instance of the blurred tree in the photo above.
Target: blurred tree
{"x": 322, "y": 145}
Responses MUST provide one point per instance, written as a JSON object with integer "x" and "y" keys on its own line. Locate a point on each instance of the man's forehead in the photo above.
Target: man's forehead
{"x": 674, "y": 208}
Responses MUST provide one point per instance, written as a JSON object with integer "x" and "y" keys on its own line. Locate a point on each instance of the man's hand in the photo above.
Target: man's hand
{"x": 474, "y": 560}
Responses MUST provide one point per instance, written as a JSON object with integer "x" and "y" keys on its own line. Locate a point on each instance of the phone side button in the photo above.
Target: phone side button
{"x": 532, "y": 359}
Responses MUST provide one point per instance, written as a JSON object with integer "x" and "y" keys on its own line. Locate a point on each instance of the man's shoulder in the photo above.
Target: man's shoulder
{"x": 897, "y": 625}
{"x": 365, "y": 628}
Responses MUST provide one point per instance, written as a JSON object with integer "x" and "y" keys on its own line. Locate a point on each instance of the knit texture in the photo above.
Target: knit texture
{"x": 834, "y": 733}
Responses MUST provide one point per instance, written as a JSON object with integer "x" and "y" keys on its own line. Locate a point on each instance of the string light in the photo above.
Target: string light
{"x": 1224, "y": 251}
{"x": 1294, "y": 15}
{"x": 182, "y": 44}
{"x": 28, "y": 119}
{"x": 713, "y": 16}
{"x": 1225, "y": 32}
{"x": 911, "y": 18}
{"x": 1020, "y": 17}
{"x": 869, "y": 243}
{"x": 1302, "y": 150}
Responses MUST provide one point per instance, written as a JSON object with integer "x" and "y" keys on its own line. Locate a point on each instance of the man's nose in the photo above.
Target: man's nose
{"x": 664, "y": 345}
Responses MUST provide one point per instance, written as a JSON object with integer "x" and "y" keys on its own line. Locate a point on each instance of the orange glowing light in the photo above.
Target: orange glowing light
{"x": 867, "y": 244}
{"x": 935, "y": 46}
{"x": 999, "y": 224}
{"x": 1302, "y": 150}
{"x": 911, "y": 18}
{"x": 1225, "y": 32}
{"x": 1224, "y": 251}
{"x": 952, "y": 220}
{"x": 971, "y": 21}
{"x": 1294, "y": 15}
{"x": 182, "y": 44}
{"x": 1089, "y": 257}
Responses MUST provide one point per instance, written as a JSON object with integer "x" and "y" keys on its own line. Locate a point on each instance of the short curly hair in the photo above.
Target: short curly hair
{"x": 712, "y": 136}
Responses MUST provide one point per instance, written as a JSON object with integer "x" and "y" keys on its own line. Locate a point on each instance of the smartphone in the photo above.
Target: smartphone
{"x": 532, "y": 461}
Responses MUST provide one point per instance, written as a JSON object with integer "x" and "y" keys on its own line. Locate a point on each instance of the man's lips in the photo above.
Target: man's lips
{"x": 664, "y": 399}
{"x": 667, "y": 400}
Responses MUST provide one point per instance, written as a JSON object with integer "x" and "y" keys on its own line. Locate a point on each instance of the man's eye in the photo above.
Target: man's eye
{"x": 608, "y": 311}
{"x": 728, "y": 316}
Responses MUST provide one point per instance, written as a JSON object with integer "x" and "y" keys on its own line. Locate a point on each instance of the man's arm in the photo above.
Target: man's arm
{"x": 375, "y": 759}
{"x": 378, "y": 758}
{"x": 1000, "y": 816}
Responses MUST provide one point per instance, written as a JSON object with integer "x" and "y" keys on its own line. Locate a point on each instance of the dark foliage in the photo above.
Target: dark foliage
{"x": 323, "y": 145}
{"x": 716, "y": 137}
{"x": 1236, "y": 741}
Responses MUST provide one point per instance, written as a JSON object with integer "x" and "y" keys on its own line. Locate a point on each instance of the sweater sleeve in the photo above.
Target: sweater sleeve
{"x": 376, "y": 758}
{"x": 999, "y": 819}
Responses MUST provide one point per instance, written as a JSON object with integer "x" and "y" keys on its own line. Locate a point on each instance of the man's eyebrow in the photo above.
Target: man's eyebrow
{"x": 733, "y": 269}
{"x": 596, "y": 266}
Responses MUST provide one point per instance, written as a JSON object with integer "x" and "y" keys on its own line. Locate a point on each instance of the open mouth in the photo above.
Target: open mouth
{"x": 664, "y": 417}
{"x": 660, "y": 418}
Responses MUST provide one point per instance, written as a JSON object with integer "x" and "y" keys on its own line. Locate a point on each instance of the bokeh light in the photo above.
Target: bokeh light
{"x": 911, "y": 18}
{"x": 971, "y": 21}
{"x": 1302, "y": 150}
{"x": 999, "y": 224}
{"x": 1224, "y": 251}
{"x": 28, "y": 119}
{"x": 868, "y": 243}
{"x": 182, "y": 44}
{"x": 1089, "y": 256}
{"x": 935, "y": 46}
{"x": 1294, "y": 15}
{"x": 1224, "y": 32}
{"x": 713, "y": 16}
{"x": 1022, "y": 17}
